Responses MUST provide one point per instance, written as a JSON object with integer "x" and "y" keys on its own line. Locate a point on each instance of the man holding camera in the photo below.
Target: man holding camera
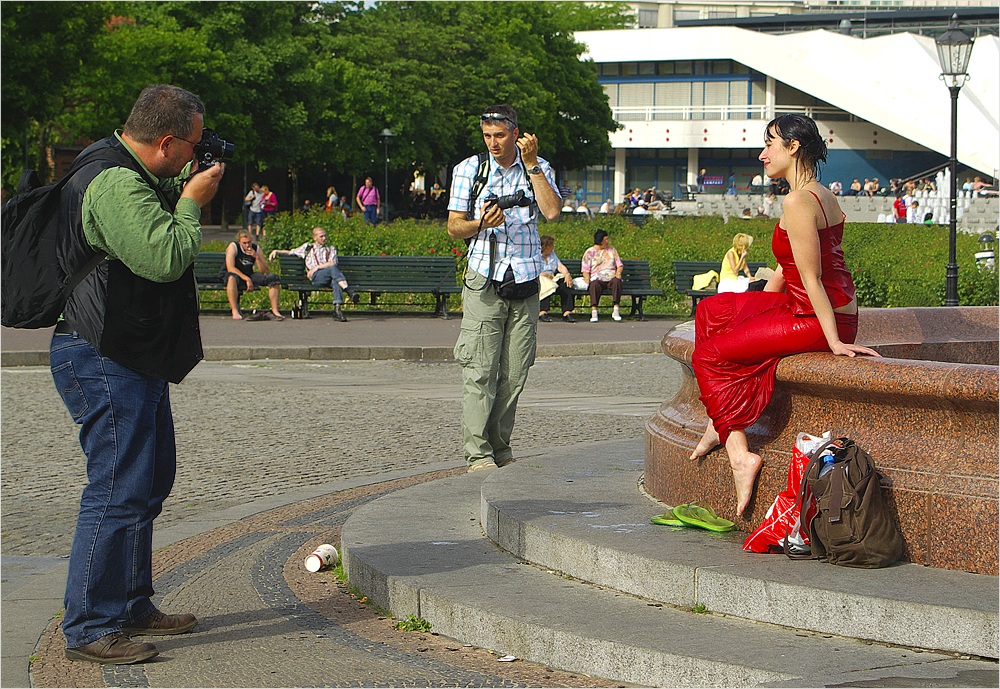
{"x": 129, "y": 328}
{"x": 494, "y": 204}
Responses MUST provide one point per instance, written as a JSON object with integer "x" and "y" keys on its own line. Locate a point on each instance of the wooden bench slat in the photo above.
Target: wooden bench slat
{"x": 376, "y": 275}
{"x": 435, "y": 275}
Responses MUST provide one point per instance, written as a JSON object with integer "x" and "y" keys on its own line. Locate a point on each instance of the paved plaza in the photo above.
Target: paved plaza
{"x": 274, "y": 455}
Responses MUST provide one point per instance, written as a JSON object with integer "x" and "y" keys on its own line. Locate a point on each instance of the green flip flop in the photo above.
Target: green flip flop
{"x": 667, "y": 518}
{"x": 702, "y": 517}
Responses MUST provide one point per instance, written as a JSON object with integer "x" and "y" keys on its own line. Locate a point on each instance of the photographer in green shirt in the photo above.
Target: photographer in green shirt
{"x": 130, "y": 327}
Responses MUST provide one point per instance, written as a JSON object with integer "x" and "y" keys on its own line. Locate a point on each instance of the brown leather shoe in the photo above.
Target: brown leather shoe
{"x": 159, "y": 624}
{"x": 113, "y": 649}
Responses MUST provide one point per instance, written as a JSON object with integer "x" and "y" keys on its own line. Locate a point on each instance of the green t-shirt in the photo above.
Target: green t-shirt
{"x": 123, "y": 216}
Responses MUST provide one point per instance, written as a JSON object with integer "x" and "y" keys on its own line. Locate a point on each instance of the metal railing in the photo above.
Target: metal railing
{"x": 651, "y": 113}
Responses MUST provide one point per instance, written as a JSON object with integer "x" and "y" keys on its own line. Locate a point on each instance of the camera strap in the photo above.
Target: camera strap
{"x": 478, "y": 185}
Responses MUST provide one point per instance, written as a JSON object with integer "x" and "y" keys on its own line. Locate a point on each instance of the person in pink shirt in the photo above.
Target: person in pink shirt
{"x": 268, "y": 206}
{"x": 369, "y": 201}
{"x": 602, "y": 270}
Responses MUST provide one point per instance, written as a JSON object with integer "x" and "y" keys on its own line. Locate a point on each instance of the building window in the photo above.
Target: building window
{"x": 648, "y": 19}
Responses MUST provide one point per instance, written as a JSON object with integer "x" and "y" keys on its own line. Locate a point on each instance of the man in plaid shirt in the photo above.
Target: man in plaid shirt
{"x": 496, "y": 346}
{"x": 322, "y": 270}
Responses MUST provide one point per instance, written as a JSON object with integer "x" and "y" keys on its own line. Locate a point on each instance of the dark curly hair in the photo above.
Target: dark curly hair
{"x": 812, "y": 146}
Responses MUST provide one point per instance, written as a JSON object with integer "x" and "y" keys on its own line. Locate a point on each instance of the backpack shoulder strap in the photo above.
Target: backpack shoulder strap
{"x": 479, "y": 182}
{"x": 115, "y": 153}
{"x": 805, "y": 489}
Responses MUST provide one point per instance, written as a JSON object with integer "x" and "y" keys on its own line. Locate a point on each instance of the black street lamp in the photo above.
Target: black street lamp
{"x": 954, "y": 49}
{"x": 386, "y": 136}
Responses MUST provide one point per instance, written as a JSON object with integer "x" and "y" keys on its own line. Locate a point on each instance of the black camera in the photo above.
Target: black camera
{"x": 518, "y": 198}
{"x": 212, "y": 148}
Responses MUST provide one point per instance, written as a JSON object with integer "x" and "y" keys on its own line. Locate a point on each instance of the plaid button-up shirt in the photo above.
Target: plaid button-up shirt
{"x": 316, "y": 255}
{"x": 517, "y": 239}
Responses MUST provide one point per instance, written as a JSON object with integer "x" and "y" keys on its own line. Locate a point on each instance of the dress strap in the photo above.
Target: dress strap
{"x": 825, "y": 219}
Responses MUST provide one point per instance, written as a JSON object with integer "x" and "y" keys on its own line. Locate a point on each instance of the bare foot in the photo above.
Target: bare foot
{"x": 745, "y": 475}
{"x": 237, "y": 316}
{"x": 708, "y": 442}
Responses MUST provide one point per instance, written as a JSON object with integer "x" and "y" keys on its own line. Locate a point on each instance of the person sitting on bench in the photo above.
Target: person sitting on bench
{"x": 239, "y": 274}
{"x": 602, "y": 270}
{"x": 322, "y": 270}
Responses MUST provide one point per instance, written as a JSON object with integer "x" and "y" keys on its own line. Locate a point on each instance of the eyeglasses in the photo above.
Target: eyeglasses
{"x": 497, "y": 116}
{"x": 193, "y": 143}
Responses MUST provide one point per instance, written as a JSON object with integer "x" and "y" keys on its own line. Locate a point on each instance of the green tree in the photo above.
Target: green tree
{"x": 43, "y": 46}
{"x": 297, "y": 84}
{"x": 426, "y": 70}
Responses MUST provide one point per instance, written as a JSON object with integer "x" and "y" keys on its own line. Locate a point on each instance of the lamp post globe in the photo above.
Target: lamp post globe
{"x": 386, "y": 135}
{"x": 954, "y": 49}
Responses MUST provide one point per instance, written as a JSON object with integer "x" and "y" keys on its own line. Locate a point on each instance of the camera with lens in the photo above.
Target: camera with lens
{"x": 518, "y": 198}
{"x": 211, "y": 149}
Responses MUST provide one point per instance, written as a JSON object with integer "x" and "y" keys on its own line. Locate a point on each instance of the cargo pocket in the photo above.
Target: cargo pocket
{"x": 70, "y": 390}
{"x": 469, "y": 347}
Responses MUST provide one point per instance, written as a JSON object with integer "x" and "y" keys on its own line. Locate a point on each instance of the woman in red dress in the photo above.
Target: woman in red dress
{"x": 808, "y": 304}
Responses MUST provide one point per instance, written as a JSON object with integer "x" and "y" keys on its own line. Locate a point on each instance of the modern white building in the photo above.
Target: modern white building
{"x": 693, "y": 97}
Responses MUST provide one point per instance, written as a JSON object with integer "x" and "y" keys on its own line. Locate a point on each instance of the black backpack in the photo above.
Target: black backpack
{"x": 34, "y": 289}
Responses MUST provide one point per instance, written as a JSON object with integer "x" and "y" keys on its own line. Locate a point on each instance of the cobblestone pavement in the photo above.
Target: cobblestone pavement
{"x": 264, "y": 428}
{"x": 264, "y": 621}
{"x": 249, "y": 430}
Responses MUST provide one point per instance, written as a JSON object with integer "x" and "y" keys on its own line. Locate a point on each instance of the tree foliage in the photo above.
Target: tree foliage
{"x": 43, "y": 46}
{"x": 426, "y": 70}
{"x": 295, "y": 84}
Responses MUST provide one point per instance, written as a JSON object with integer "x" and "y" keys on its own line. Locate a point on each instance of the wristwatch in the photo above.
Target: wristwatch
{"x": 534, "y": 170}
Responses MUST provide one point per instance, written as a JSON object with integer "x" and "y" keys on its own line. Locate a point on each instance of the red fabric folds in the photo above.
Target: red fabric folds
{"x": 739, "y": 340}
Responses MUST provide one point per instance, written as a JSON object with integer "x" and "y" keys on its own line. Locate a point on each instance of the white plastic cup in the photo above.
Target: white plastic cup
{"x": 324, "y": 556}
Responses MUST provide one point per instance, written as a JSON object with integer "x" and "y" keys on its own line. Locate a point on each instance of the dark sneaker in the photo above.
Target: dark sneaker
{"x": 338, "y": 314}
{"x": 569, "y": 318}
{"x": 113, "y": 649}
{"x": 159, "y": 624}
{"x": 353, "y": 294}
{"x": 544, "y": 318}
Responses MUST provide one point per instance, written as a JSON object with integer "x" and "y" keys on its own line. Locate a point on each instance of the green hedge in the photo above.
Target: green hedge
{"x": 893, "y": 265}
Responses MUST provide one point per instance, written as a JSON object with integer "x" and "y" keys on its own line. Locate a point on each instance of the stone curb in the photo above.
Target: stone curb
{"x": 236, "y": 353}
{"x": 907, "y": 604}
{"x": 422, "y": 551}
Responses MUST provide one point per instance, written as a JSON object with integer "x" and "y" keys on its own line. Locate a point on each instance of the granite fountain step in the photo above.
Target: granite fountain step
{"x": 582, "y": 581}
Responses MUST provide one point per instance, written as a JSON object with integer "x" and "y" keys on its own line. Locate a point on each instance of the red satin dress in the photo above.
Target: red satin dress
{"x": 741, "y": 337}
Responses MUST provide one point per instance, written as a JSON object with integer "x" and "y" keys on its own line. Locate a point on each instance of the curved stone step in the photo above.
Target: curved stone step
{"x": 422, "y": 551}
{"x": 585, "y": 516}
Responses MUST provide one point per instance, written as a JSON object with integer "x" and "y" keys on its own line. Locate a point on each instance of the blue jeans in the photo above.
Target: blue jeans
{"x": 127, "y": 434}
{"x": 330, "y": 277}
{"x": 371, "y": 214}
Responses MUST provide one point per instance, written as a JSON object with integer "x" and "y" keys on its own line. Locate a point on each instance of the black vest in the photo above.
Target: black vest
{"x": 149, "y": 327}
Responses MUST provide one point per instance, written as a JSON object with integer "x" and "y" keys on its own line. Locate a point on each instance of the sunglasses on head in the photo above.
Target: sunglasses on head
{"x": 486, "y": 117}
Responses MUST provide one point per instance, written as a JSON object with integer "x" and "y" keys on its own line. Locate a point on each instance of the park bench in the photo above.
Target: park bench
{"x": 635, "y": 284}
{"x": 684, "y": 272}
{"x": 377, "y": 275}
{"x": 206, "y": 271}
